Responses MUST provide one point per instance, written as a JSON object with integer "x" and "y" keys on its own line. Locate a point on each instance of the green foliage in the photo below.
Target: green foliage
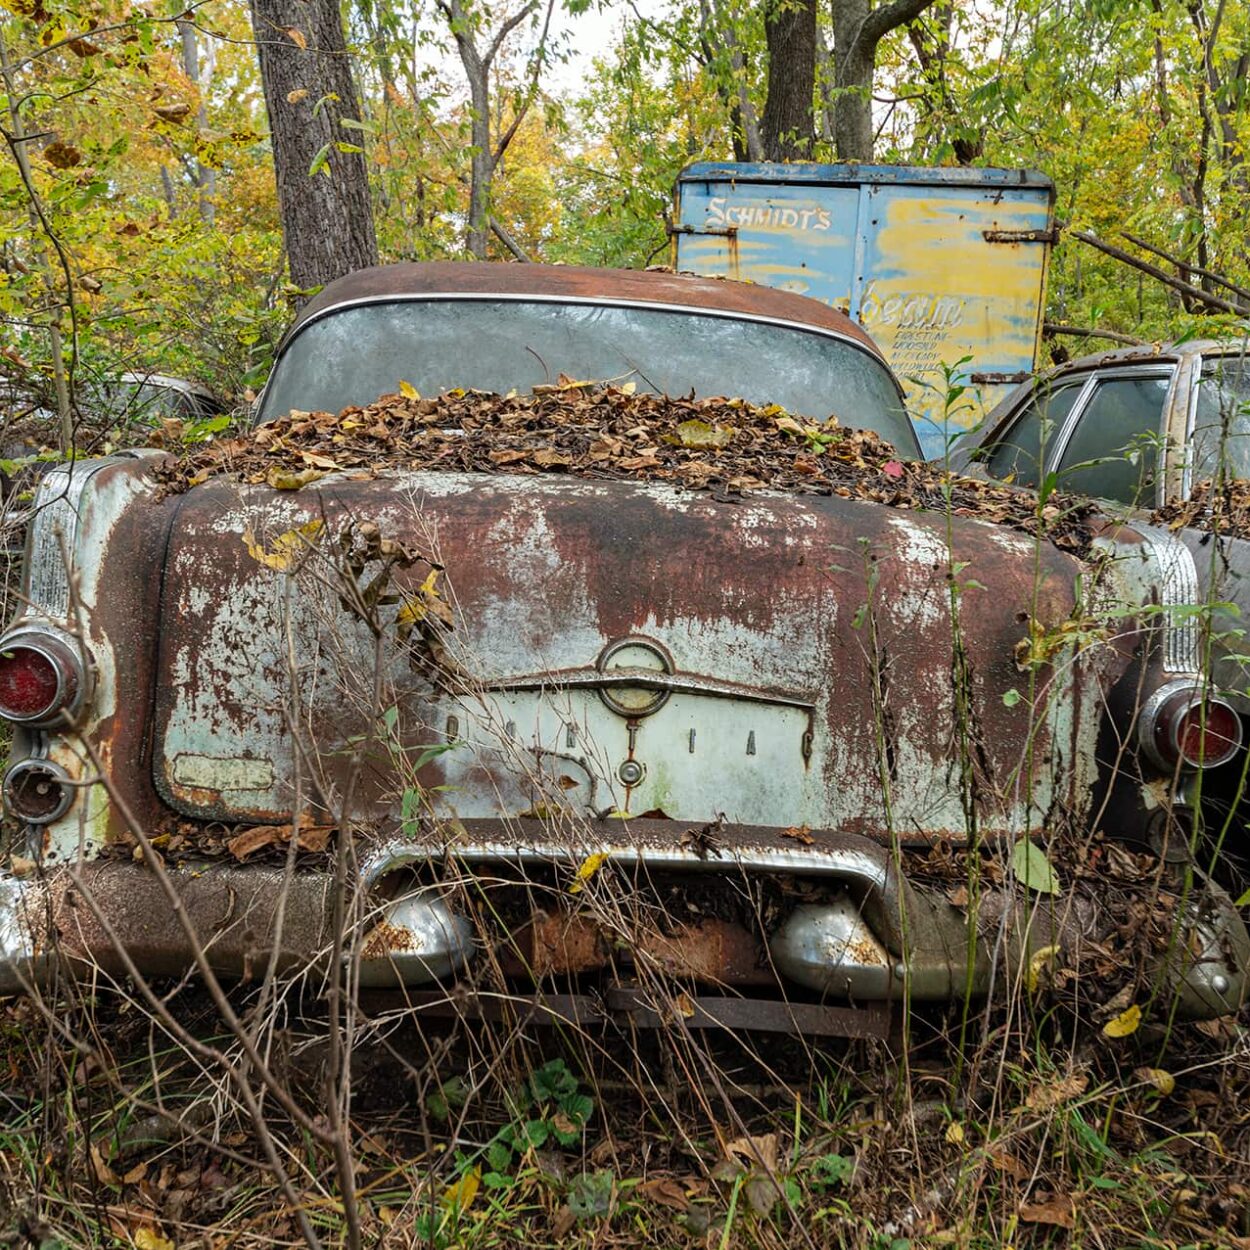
{"x": 546, "y": 1109}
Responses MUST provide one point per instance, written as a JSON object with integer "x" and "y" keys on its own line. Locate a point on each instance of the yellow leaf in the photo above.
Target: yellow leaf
{"x": 1163, "y": 1081}
{"x": 1042, "y": 958}
{"x": 290, "y": 479}
{"x": 145, "y": 1239}
{"x": 462, "y": 1193}
{"x": 408, "y": 391}
{"x": 590, "y": 865}
{"x": 286, "y": 548}
{"x": 1123, "y": 1024}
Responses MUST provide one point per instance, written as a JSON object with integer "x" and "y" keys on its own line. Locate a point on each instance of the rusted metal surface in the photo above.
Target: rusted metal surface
{"x": 626, "y": 1004}
{"x": 234, "y": 910}
{"x": 781, "y": 713}
{"x": 681, "y": 290}
{"x": 562, "y": 944}
{"x": 759, "y": 1015}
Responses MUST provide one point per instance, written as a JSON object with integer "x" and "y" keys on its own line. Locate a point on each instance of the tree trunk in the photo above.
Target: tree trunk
{"x": 853, "y": 66}
{"x": 327, "y": 217}
{"x": 481, "y": 169}
{"x": 858, "y": 29}
{"x": 788, "y": 125}
{"x": 205, "y": 175}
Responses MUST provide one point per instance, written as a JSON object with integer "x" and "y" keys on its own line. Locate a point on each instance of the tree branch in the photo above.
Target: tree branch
{"x": 1051, "y": 328}
{"x": 887, "y": 17}
{"x": 506, "y": 29}
{"x": 1187, "y": 289}
{"x": 524, "y": 101}
{"x": 1186, "y": 266}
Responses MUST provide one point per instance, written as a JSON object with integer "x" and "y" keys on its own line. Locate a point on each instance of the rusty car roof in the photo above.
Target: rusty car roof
{"x": 417, "y": 279}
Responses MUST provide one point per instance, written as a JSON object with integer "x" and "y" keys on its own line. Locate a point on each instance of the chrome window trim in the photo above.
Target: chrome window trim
{"x": 1009, "y": 423}
{"x": 1169, "y": 369}
{"x": 427, "y": 297}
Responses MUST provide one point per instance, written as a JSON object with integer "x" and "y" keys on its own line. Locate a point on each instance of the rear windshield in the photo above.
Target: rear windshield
{"x": 352, "y": 355}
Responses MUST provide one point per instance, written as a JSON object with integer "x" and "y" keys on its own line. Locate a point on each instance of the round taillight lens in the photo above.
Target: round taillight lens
{"x": 37, "y": 791}
{"x": 40, "y": 678}
{"x": 1180, "y": 726}
{"x": 1207, "y": 741}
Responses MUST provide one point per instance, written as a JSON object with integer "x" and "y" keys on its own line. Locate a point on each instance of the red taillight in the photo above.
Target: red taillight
{"x": 1179, "y": 726}
{"x": 41, "y": 677}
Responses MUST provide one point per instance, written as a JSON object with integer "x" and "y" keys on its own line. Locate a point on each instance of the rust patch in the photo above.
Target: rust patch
{"x": 386, "y": 939}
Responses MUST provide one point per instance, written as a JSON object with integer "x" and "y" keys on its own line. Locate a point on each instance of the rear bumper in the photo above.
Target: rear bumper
{"x": 870, "y": 937}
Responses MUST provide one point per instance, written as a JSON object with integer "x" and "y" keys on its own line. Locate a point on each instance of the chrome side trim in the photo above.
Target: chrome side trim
{"x": 56, "y": 513}
{"x": 418, "y": 939}
{"x": 1178, "y": 587}
{"x": 861, "y": 866}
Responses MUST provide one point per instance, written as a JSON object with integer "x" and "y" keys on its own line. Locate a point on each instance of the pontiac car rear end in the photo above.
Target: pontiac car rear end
{"x": 586, "y": 735}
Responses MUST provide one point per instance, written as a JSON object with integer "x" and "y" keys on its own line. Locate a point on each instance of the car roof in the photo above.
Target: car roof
{"x": 417, "y": 279}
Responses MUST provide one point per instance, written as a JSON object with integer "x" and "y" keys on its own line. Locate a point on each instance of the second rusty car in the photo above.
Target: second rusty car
{"x": 667, "y": 737}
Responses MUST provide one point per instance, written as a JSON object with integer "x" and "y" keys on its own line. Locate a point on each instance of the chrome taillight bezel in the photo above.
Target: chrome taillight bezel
{"x": 55, "y": 774}
{"x": 1164, "y": 713}
{"x": 66, "y": 660}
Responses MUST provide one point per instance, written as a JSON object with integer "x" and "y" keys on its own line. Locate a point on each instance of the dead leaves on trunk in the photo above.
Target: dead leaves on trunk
{"x": 722, "y": 445}
{"x": 311, "y": 837}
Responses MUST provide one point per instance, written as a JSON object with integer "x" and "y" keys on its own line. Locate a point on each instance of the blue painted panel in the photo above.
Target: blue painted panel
{"x": 903, "y": 250}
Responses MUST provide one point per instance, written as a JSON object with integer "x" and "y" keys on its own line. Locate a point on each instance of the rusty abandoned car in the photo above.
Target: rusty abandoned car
{"x": 579, "y": 735}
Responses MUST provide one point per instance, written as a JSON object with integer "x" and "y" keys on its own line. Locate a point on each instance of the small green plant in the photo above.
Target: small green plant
{"x": 546, "y": 1107}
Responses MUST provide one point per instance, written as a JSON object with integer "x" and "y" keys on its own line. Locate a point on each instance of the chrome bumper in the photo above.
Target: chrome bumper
{"x": 878, "y": 938}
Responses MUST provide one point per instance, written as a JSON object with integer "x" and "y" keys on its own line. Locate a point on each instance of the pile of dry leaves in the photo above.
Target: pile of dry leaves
{"x": 1224, "y": 509}
{"x": 721, "y": 445}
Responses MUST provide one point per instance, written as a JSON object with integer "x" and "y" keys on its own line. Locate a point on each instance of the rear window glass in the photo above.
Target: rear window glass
{"x": 354, "y": 354}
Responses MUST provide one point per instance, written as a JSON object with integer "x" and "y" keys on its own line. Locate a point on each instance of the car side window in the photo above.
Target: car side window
{"x": 1019, "y": 455}
{"x": 1114, "y": 451}
{"x": 1221, "y": 434}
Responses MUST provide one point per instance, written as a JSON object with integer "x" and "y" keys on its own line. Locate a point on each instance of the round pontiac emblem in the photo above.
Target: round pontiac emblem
{"x": 638, "y": 658}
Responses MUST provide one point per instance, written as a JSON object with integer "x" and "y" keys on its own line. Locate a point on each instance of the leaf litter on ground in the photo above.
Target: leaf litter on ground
{"x": 602, "y": 432}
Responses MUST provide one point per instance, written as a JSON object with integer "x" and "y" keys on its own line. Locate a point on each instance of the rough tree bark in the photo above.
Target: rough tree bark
{"x": 327, "y": 217}
{"x": 788, "y": 125}
{"x": 857, "y": 30}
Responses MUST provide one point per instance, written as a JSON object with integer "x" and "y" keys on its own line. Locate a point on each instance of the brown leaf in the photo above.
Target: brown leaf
{"x": 755, "y": 1151}
{"x": 549, "y": 459}
{"x": 800, "y": 833}
{"x": 1044, "y": 1096}
{"x": 62, "y": 155}
{"x": 256, "y": 838}
{"x": 667, "y": 1191}
{"x": 103, "y": 1173}
{"x": 296, "y": 36}
{"x": 1058, "y": 1210}
{"x": 312, "y": 837}
{"x": 176, "y": 112}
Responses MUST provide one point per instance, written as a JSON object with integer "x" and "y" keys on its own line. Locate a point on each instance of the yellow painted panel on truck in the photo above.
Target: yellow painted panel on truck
{"x": 946, "y": 268}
